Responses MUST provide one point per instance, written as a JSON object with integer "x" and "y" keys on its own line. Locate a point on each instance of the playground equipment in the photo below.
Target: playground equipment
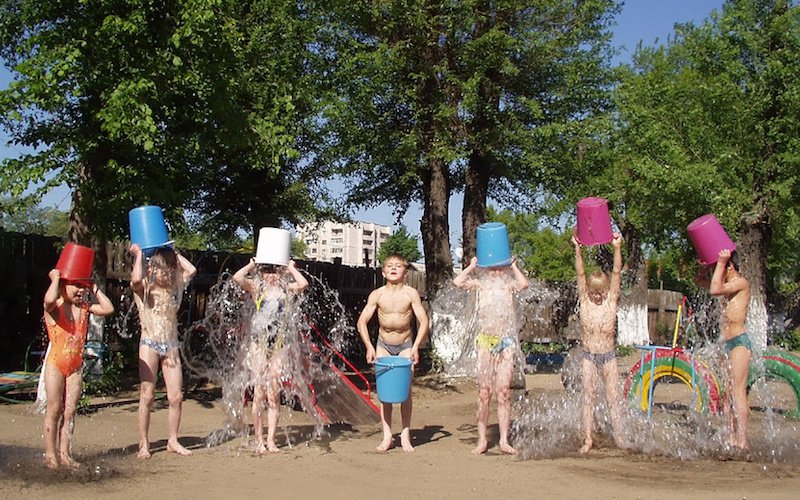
{"x": 657, "y": 362}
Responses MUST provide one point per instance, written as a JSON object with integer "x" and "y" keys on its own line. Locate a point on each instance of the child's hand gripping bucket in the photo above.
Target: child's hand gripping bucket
{"x": 148, "y": 229}
{"x": 708, "y": 238}
{"x": 594, "y": 223}
{"x": 393, "y": 378}
{"x": 493, "y": 249}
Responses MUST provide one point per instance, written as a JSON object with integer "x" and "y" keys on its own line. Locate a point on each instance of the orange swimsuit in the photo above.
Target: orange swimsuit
{"x": 66, "y": 342}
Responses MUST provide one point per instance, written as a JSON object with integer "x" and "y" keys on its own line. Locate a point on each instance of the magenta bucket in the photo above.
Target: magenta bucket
{"x": 594, "y": 223}
{"x": 148, "y": 229}
{"x": 492, "y": 246}
{"x": 709, "y": 237}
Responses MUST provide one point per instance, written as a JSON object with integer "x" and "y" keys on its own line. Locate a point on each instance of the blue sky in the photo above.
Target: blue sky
{"x": 648, "y": 21}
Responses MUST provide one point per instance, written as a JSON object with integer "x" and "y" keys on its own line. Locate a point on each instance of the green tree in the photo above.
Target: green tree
{"x": 34, "y": 220}
{"x": 400, "y": 243}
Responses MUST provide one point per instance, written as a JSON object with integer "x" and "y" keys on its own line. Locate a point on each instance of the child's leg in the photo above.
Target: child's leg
{"x": 614, "y": 400}
{"x": 485, "y": 373}
{"x": 588, "y": 382}
{"x": 173, "y": 379}
{"x": 148, "y": 366}
{"x": 406, "y": 409}
{"x": 504, "y": 374}
{"x": 74, "y": 388}
{"x": 54, "y": 386}
{"x": 386, "y": 412}
{"x": 274, "y": 400}
{"x": 259, "y": 395}
{"x": 740, "y": 366}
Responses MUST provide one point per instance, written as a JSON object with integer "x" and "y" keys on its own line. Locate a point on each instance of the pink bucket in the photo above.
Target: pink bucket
{"x": 594, "y": 223}
{"x": 709, "y": 237}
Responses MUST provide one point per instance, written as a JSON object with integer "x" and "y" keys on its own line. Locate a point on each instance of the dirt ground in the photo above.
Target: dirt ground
{"x": 344, "y": 463}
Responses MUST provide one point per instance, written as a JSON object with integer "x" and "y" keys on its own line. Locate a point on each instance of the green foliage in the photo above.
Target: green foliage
{"x": 400, "y": 243}
{"x": 34, "y": 220}
{"x": 299, "y": 248}
{"x": 108, "y": 383}
{"x": 625, "y": 350}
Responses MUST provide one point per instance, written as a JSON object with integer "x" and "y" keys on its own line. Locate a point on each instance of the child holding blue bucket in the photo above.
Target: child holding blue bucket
{"x": 498, "y": 326}
{"x": 158, "y": 284}
{"x": 396, "y": 304}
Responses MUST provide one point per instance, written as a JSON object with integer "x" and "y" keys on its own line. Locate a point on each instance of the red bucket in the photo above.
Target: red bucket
{"x": 75, "y": 264}
{"x": 709, "y": 237}
{"x": 594, "y": 223}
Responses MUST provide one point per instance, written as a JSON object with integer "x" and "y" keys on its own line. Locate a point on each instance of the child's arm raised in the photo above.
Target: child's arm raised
{"x": 187, "y": 268}
{"x": 462, "y": 280}
{"x": 103, "y": 306}
{"x": 240, "y": 276}
{"x": 52, "y": 293}
{"x": 137, "y": 273}
{"x": 579, "y": 269}
{"x": 616, "y": 272}
{"x": 300, "y": 281}
{"x": 520, "y": 281}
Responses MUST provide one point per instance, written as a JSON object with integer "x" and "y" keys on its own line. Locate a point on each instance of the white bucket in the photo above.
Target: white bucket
{"x": 274, "y": 246}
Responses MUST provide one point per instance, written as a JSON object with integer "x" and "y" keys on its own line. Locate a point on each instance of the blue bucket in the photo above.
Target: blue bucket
{"x": 148, "y": 229}
{"x": 393, "y": 377}
{"x": 493, "y": 248}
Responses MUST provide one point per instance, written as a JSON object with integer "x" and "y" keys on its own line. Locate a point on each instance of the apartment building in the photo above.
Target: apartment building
{"x": 355, "y": 244}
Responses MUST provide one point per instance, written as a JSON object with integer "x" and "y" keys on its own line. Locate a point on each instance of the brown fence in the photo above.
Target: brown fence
{"x": 25, "y": 261}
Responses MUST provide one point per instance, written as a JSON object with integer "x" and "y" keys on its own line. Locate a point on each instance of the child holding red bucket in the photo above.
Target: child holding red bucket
{"x": 68, "y": 301}
{"x": 498, "y": 327}
{"x": 265, "y": 355}
{"x": 397, "y": 304}
{"x": 158, "y": 284}
{"x": 598, "y": 296}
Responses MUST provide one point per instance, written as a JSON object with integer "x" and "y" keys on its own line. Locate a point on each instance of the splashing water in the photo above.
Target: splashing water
{"x": 237, "y": 348}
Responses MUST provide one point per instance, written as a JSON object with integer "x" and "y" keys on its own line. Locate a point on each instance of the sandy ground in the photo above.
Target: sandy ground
{"x": 344, "y": 463}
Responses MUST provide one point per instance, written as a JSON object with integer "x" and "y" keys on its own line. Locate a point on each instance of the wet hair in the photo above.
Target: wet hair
{"x": 597, "y": 282}
{"x": 395, "y": 256}
{"x": 734, "y": 261}
{"x": 164, "y": 259}
{"x": 267, "y": 268}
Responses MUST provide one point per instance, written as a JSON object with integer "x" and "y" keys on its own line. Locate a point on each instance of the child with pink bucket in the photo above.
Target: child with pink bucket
{"x": 498, "y": 326}
{"x": 266, "y": 279}
{"x": 159, "y": 277}
{"x": 598, "y": 297}
{"x": 714, "y": 247}
{"x": 68, "y": 301}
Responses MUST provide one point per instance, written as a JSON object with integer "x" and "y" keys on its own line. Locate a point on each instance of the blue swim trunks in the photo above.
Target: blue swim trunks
{"x": 740, "y": 340}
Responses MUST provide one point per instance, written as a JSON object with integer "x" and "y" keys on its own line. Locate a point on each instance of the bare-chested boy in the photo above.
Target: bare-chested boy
{"x": 496, "y": 343}
{"x": 598, "y": 297}
{"x": 734, "y": 290}
{"x": 396, "y": 303}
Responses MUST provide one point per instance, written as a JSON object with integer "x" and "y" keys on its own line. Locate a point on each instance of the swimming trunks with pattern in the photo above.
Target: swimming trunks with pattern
{"x": 395, "y": 349}
{"x": 599, "y": 359}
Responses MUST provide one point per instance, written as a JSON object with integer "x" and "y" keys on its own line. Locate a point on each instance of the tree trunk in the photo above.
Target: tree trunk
{"x": 632, "y": 312}
{"x": 752, "y": 249}
{"x": 476, "y": 191}
{"x": 435, "y": 225}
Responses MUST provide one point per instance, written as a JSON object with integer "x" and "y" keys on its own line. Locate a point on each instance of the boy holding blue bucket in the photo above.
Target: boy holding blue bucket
{"x": 498, "y": 326}
{"x": 396, "y": 304}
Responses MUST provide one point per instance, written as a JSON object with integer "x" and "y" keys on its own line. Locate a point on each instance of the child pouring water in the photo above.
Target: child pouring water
{"x": 68, "y": 301}
{"x": 498, "y": 326}
{"x": 158, "y": 286}
{"x": 270, "y": 288}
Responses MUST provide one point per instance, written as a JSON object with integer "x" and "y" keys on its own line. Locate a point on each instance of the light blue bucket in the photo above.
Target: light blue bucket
{"x": 493, "y": 248}
{"x": 393, "y": 378}
{"x": 148, "y": 229}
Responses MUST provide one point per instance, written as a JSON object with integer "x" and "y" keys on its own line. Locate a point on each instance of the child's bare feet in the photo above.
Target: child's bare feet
{"x": 260, "y": 448}
{"x": 481, "y": 448}
{"x": 51, "y": 462}
{"x": 144, "y": 451}
{"x": 405, "y": 440}
{"x": 587, "y": 445}
{"x": 386, "y": 444}
{"x": 507, "y": 449}
{"x": 175, "y": 447}
{"x": 272, "y": 447}
{"x": 69, "y": 461}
